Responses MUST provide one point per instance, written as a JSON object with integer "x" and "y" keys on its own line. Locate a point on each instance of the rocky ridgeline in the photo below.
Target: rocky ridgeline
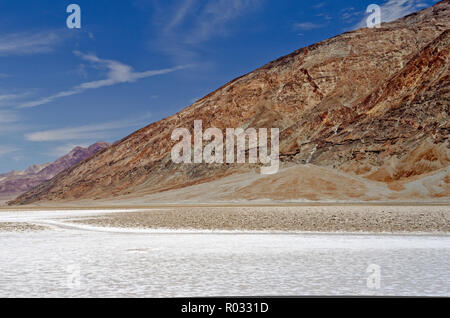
{"x": 17, "y": 182}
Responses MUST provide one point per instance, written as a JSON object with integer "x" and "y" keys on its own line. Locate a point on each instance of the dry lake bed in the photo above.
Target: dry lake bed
{"x": 105, "y": 253}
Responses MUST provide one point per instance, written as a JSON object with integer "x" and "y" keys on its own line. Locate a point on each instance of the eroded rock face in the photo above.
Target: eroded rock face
{"x": 351, "y": 102}
{"x": 17, "y": 182}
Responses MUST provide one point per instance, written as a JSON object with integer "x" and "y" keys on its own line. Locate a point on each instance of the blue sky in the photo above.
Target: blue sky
{"x": 135, "y": 62}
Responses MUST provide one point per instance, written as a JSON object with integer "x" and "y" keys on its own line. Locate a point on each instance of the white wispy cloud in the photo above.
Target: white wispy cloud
{"x": 325, "y": 16}
{"x": 350, "y": 15}
{"x": 28, "y": 42}
{"x": 214, "y": 17}
{"x": 7, "y": 99}
{"x": 5, "y": 150}
{"x": 179, "y": 14}
{"x": 395, "y": 9}
{"x": 7, "y": 117}
{"x": 10, "y": 122}
{"x": 306, "y": 26}
{"x": 191, "y": 23}
{"x": 9, "y": 126}
{"x": 117, "y": 72}
{"x": 319, "y": 5}
{"x": 85, "y": 132}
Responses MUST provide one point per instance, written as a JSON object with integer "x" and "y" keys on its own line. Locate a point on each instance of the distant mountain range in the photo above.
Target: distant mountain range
{"x": 17, "y": 182}
{"x": 363, "y": 116}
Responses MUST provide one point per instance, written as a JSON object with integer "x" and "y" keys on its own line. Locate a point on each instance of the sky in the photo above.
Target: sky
{"x": 135, "y": 62}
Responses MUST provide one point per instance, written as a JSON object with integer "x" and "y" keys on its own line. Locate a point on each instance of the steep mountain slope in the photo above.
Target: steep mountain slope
{"x": 17, "y": 182}
{"x": 357, "y": 102}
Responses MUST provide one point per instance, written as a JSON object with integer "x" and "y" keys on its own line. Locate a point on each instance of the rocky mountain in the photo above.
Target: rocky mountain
{"x": 17, "y": 182}
{"x": 362, "y": 116}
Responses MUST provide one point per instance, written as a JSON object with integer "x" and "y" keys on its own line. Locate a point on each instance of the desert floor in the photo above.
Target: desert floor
{"x": 400, "y": 218}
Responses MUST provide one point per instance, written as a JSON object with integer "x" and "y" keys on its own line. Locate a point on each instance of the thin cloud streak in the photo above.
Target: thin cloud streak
{"x": 306, "y": 26}
{"x": 193, "y": 22}
{"x": 28, "y": 43}
{"x": 180, "y": 13}
{"x": 213, "y": 18}
{"x": 10, "y": 122}
{"x": 94, "y": 131}
{"x": 117, "y": 73}
{"x": 7, "y": 117}
{"x": 5, "y": 150}
{"x": 9, "y": 99}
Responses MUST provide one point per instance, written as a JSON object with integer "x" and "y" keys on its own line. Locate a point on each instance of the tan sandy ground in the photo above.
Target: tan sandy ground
{"x": 3, "y": 202}
{"x": 294, "y": 184}
{"x": 19, "y": 227}
{"x": 393, "y": 219}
